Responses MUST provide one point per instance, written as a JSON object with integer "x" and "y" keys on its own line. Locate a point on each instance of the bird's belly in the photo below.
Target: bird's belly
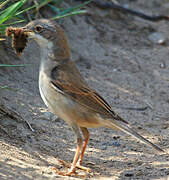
{"x": 65, "y": 108}
{"x": 54, "y": 100}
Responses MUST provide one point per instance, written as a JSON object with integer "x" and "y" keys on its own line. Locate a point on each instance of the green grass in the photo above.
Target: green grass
{"x": 16, "y": 65}
{"x": 14, "y": 13}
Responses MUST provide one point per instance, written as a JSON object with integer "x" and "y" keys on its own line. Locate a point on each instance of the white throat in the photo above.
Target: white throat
{"x": 47, "y": 56}
{"x": 43, "y": 42}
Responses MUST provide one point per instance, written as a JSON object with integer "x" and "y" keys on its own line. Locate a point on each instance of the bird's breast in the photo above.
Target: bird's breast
{"x": 57, "y": 102}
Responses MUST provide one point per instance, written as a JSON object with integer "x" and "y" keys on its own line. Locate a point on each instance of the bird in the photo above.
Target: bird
{"x": 66, "y": 93}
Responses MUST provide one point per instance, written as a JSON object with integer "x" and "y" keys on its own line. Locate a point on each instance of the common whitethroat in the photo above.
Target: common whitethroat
{"x": 65, "y": 92}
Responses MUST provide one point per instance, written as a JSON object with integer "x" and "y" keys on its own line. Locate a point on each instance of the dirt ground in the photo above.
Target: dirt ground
{"x": 116, "y": 57}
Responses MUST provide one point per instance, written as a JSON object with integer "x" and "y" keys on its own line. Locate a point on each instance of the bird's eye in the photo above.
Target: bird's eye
{"x": 38, "y": 28}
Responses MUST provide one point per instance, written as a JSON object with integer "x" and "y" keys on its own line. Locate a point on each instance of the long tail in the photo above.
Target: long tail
{"x": 127, "y": 129}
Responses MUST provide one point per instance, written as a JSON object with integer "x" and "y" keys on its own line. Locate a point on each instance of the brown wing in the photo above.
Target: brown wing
{"x": 86, "y": 97}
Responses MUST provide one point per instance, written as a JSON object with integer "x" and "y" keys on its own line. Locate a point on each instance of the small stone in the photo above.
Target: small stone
{"x": 116, "y": 137}
{"x": 139, "y": 173}
{"x": 162, "y": 65}
{"x": 54, "y": 118}
{"x": 116, "y": 144}
{"x": 157, "y": 37}
{"x": 29, "y": 139}
{"x": 128, "y": 175}
{"x": 106, "y": 144}
{"x": 115, "y": 70}
{"x": 103, "y": 147}
{"x": 48, "y": 115}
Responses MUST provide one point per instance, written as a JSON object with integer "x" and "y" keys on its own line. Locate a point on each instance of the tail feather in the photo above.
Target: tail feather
{"x": 125, "y": 128}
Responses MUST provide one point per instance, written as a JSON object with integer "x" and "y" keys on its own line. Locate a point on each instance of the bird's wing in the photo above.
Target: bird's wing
{"x": 86, "y": 97}
{"x": 93, "y": 101}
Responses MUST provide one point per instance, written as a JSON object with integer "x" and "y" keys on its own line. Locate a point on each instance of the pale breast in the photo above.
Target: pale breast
{"x": 54, "y": 100}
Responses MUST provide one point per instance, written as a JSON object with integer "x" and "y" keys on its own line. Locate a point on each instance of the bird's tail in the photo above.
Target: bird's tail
{"x": 127, "y": 129}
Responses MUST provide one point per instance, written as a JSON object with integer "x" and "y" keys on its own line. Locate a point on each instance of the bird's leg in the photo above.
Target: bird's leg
{"x": 78, "y": 149}
{"x": 86, "y": 136}
{"x": 76, "y": 163}
{"x": 76, "y": 157}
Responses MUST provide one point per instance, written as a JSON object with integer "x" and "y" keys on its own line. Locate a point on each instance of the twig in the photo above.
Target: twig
{"x": 3, "y": 129}
{"x": 112, "y": 5}
{"x": 14, "y": 115}
{"x": 29, "y": 125}
{"x": 149, "y": 104}
{"x": 10, "y": 113}
{"x": 37, "y": 9}
{"x": 28, "y": 16}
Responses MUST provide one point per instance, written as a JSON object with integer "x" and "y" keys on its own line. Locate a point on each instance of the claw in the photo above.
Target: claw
{"x": 88, "y": 170}
{"x": 78, "y": 165}
{"x": 70, "y": 173}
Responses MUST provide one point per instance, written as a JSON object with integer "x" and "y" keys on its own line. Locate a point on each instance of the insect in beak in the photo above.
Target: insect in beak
{"x": 19, "y": 38}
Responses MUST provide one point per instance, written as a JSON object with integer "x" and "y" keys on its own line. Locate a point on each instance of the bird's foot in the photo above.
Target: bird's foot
{"x": 78, "y": 165}
{"x": 72, "y": 171}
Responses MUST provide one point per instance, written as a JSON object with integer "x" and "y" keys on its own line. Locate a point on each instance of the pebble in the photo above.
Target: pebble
{"x": 157, "y": 38}
{"x": 116, "y": 143}
{"x": 162, "y": 65}
{"x": 106, "y": 144}
{"x": 103, "y": 147}
{"x": 29, "y": 139}
{"x": 50, "y": 116}
{"x": 128, "y": 174}
{"x": 139, "y": 174}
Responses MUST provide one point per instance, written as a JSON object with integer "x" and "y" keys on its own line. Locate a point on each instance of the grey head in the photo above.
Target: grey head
{"x": 42, "y": 30}
{"x": 46, "y": 32}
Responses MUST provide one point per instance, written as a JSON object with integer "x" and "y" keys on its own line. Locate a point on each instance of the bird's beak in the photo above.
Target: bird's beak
{"x": 28, "y": 32}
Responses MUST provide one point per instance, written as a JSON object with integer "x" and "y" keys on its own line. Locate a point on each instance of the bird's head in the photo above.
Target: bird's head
{"x": 44, "y": 32}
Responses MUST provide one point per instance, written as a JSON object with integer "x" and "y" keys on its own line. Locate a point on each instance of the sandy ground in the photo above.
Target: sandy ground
{"x": 117, "y": 59}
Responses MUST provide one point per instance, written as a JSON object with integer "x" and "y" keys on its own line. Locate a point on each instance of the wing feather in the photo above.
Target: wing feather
{"x": 88, "y": 98}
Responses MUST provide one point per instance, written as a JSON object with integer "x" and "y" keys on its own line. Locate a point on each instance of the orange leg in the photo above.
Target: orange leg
{"x": 76, "y": 163}
{"x": 86, "y": 136}
{"x": 76, "y": 157}
{"x": 75, "y": 128}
